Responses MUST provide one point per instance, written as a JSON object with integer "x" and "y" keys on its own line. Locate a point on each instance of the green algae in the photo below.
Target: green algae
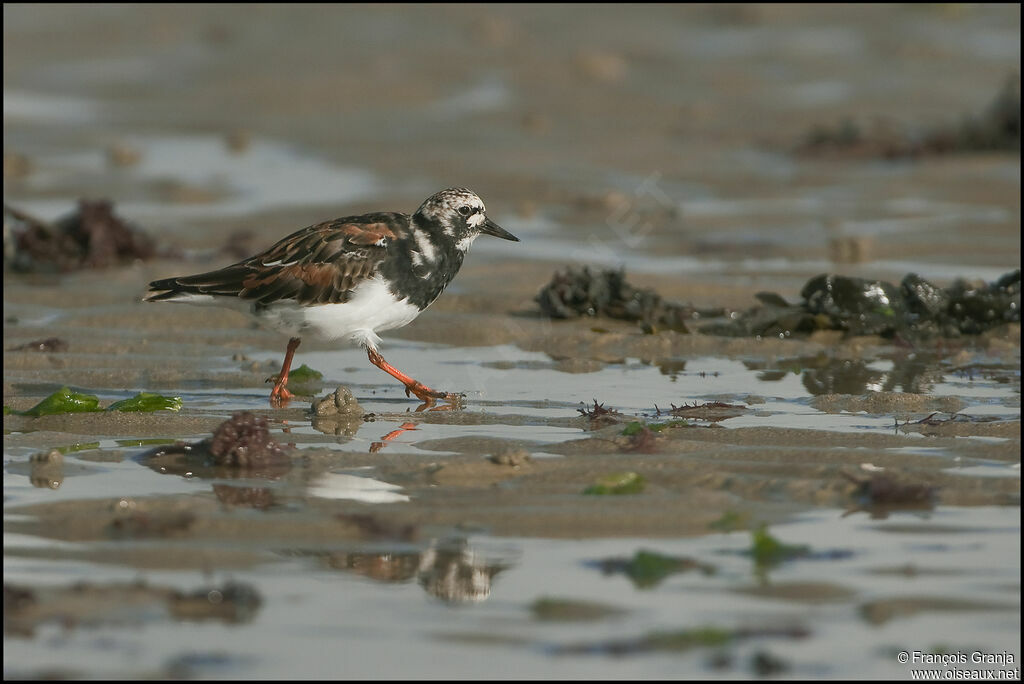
{"x": 766, "y": 550}
{"x": 64, "y": 401}
{"x": 147, "y": 402}
{"x": 616, "y": 484}
{"x": 304, "y": 374}
{"x": 647, "y": 569}
{"x": 569, "y": 610}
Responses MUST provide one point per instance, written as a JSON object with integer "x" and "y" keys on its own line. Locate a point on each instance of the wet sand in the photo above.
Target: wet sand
{"x": 700, "y": 197}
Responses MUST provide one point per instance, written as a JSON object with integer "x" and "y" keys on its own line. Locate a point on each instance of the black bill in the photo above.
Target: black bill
{"x": 489, "y": 227}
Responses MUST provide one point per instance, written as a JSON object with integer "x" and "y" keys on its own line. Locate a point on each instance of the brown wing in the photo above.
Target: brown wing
{"x": 317, "y": 265}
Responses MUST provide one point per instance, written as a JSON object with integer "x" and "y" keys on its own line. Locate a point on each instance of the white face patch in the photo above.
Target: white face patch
{"x": 476, "y": 219}
{"x": 463, "y": 244}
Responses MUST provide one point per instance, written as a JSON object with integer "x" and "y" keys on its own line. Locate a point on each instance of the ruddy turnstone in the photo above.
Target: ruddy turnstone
{"x": 349, "y": 278}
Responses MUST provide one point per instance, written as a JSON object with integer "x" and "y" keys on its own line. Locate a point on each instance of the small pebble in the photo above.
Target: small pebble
{"x": 238, "y": 140}
{"x": 123, "y": 154}
{"x": 16, "y": 166}
{"x": 601, "y": 66}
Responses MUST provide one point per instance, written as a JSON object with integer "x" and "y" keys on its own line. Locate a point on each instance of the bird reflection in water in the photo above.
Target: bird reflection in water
{"x": 450, "y": 570}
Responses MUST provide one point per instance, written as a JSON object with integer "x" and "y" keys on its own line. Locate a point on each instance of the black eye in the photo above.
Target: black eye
{"x": 465, "y": 210}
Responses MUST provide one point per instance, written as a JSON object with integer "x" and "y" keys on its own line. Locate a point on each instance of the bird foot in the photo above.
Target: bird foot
{"x": 428, "y": 396}
{"x": 280, "y": 396}
{"x": 432, "y": 405}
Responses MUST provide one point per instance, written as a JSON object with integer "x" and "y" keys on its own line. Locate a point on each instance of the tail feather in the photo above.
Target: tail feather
{"x": 224, "y": 283}
{"x": 165, "y": 296}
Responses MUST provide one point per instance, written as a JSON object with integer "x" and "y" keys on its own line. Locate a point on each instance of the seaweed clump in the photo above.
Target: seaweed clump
{"x": 582, "y": 292}
{"x": 50, "y": 344}
{"x": 92, "y": 236}
{"x": 882, "y": 491}
{"x": 916, "y": 309}
{"x": 994, "y": 129}
{"x": 712, "y": 411}
{"x": 599, "y": 415}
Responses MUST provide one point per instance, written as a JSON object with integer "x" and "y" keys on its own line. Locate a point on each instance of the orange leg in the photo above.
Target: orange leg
{"x": 422, "y": 392}
{"x": 279, "y": 396}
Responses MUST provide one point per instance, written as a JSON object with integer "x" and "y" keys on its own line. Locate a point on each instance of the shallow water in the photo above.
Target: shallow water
{"x": 662, "y": 140}
{"x": 470, "y": 613}
{"x": 269, "y": 176}
{"x": 323, "y": 620}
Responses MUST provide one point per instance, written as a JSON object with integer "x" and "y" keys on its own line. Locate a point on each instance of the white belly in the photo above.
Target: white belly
{"x": 372, "y": 308}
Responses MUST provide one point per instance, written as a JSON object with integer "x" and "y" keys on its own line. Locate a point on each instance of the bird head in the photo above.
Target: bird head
{"x": 459, "y": 214}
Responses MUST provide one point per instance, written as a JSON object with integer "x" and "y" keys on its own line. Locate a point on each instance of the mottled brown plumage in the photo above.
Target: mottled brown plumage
{"x": 320, "y": 264}
{"x": 348, "y": 278}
